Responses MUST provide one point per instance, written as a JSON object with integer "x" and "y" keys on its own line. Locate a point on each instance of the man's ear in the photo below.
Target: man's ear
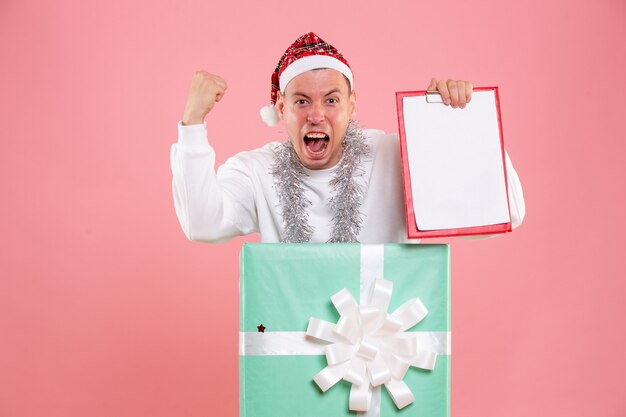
{"x": 352, "y": 105}
{"x": 280, "y": 104}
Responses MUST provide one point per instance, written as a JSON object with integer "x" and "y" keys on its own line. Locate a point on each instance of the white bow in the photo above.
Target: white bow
{"x": 369, "y": 346}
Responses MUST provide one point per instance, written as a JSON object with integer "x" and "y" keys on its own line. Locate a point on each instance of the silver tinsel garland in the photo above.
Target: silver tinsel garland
{"x": 346, "y": 193}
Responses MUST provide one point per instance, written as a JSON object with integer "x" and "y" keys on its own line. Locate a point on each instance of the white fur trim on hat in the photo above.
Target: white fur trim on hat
{"x": 269, "y": 114}
{"x": 311, "y": 62}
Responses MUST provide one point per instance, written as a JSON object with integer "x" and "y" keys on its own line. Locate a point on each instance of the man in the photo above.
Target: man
{"x": 330, "y": 182}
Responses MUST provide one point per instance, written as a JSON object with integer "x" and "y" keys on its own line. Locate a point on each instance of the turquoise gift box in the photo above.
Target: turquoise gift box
{"x": 283, "y": 285}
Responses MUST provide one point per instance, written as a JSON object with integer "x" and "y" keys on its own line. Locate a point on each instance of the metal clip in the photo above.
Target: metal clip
{"x": 433, "y": 97}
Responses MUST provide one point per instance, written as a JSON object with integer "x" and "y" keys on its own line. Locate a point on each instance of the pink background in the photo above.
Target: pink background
{"x": 107, "y": 310}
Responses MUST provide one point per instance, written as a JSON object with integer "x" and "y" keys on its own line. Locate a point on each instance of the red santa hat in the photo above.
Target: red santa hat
{"x": 308, "y": 52}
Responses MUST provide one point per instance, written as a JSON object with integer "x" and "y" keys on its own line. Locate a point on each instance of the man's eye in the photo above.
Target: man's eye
{"x": 333, "y": 101}
{"x": 301, "y": 102}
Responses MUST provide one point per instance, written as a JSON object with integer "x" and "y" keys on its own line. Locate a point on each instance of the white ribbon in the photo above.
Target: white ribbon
{"x": 368, "y": 347}
{"x": 298, "y": 343}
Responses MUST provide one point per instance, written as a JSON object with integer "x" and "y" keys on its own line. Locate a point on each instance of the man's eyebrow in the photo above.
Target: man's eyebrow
{"x": 297, "y": 93}
{"x": 334, "y": 90}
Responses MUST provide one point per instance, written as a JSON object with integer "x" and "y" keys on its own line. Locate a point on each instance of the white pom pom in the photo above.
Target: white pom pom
{"x": 269, "y": 114}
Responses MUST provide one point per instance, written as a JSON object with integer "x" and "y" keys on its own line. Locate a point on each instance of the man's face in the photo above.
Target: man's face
{"x": 316, "y": 108}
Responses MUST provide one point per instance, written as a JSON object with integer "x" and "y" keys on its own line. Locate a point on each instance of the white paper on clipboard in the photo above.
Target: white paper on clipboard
{"x": 455, "y": 161}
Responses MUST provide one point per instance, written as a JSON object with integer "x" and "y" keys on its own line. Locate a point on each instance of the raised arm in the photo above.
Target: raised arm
{"x": 211, "y": 207}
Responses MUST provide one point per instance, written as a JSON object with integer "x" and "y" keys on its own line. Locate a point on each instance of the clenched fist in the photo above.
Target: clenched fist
{"x": 206, "y": 90}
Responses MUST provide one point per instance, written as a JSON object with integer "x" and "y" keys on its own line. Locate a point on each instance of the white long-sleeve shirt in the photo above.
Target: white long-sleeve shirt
{"x": 240, "y": 197}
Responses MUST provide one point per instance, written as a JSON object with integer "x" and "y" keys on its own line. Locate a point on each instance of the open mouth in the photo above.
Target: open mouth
{"x": 316, "y": 143}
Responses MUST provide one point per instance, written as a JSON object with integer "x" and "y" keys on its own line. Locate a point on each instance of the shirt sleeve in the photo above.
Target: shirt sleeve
{"x": 211, "y": 206}
{"x": 516, "y": 195}
{"x": 516, "y": 199}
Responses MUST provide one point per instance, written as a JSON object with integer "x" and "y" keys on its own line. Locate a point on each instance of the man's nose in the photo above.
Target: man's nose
{"x": 316, "y": 113}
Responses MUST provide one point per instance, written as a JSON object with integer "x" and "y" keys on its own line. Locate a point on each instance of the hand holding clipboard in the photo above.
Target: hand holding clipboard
{"x": 453, "y": 165}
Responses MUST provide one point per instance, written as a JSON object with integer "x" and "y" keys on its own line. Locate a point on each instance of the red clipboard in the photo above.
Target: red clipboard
{"x": 413, "y": 229}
